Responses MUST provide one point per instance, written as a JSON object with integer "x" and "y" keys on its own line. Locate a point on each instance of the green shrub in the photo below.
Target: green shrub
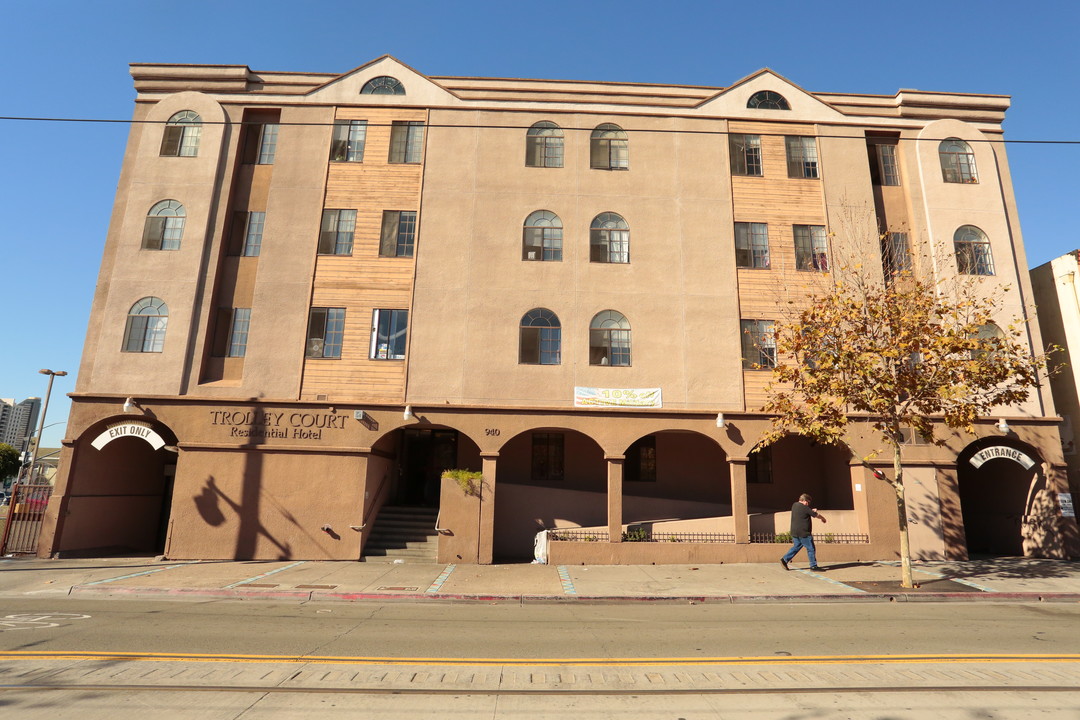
{"x": 469, "y": 481}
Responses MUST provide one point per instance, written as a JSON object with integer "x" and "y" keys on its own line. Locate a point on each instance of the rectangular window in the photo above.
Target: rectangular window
{"x": 245, "y": 238}
{"x": 802, "y": 157}
{"x": 238, "y": 332}
{"x": 547, "y": 457}
{"x": 811, "y": 248}
{"x": 336, "y": 234}
{"x": 895, "y": 254}
{"x": 388, "y": 334}
{"x": 231, "y": 332}
{"x": 398, "y": 233}
{"x": 751, "y": 245}
{"x": 745, "y": 154}
{"x": 759, "y": 469}
{"x": 326, "y": 331}
{"x": 758, "y": 344}
{"x": 640, "y": 463}
{"x": 348, "y": 141}
{"x": 889, "y": 169}
{"x": 406, "y": 141}
{"x": 260, "y": 143}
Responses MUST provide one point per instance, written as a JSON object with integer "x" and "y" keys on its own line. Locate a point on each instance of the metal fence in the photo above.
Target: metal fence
{"x": 819, "y": 538}
{"x": 641, "y": 535}
{"x": 24, "y": 517}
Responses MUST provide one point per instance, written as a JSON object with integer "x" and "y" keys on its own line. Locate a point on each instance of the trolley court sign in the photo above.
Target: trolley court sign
{"x": 1002, "y": 451}
{"x": 129, "y": 429}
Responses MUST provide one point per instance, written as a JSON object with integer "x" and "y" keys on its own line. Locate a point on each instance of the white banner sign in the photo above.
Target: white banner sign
{"x": 617, "y": 397}
{"x": 1001, "y": 451}
{"x": 1066, "y": 503}
{"x": 129, "y": 429}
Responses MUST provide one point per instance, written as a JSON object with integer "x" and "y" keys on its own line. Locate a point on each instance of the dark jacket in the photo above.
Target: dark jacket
{"x": 800, "y": 520}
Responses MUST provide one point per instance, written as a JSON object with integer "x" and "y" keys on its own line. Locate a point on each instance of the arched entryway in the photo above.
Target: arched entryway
{"x": 778, "y": 474}
{"x": 1002, "y": 493}
{"x": 673, "y": 477}
{"x": 119, "y": 492}
{"x": 547, "y": 478}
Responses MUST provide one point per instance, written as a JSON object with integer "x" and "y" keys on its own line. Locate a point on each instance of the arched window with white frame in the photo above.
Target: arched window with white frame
{"x": 973, "y": 253}
{"x": 146, "y": 323}
{"x": 540, "y": 338}
{"x": 164, "y": 226}
{"x": 181, "y": 136}
{"x": 544, "y": 145}
{"x": 542, "y": 237}
{"x": 957, "y": 162}
{"x": 609, "y": 148}
{"x": 609, "y": 339}
{"x": 609, "y": 239}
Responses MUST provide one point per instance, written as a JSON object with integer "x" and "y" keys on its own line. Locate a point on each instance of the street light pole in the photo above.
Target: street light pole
{"x": 41, "y": 423}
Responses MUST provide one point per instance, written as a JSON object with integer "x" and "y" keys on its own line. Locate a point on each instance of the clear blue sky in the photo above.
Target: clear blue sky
{"x": 67, "y": 58}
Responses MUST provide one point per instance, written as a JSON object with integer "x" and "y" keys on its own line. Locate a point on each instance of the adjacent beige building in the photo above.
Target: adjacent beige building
{"x": 319, "y": 291}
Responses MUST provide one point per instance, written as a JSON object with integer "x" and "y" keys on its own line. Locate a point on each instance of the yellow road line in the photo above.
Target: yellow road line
{"x": 622, "y": 662}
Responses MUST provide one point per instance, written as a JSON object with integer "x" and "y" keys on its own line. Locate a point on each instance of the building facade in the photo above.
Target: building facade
{"x": 17, "y": 421}
{"x": 320, "y": 291}
{"x": 1058, "y": 302}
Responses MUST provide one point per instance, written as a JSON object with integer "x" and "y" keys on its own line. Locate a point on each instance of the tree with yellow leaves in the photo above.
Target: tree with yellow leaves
{"x": 887, "y": 355}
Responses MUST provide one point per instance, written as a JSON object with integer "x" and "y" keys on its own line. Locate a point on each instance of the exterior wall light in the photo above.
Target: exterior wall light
{"x": 1003, "y": 427}
{"x": 720, "y": 422}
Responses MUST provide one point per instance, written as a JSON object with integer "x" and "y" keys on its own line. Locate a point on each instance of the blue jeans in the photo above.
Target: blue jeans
{"x": 799, "y": 543}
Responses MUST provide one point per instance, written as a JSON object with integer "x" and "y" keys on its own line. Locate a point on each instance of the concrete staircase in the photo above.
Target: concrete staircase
{"x": 403, "y": 533}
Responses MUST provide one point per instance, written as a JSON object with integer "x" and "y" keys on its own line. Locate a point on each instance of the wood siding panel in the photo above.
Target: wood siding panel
{"x": 780, "y": 202}
{"x": 363, "y": 281}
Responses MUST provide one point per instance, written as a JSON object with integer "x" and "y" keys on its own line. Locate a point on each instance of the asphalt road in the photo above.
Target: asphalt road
{"x": 120, "y": 659}
{"x": 406, "y": 630}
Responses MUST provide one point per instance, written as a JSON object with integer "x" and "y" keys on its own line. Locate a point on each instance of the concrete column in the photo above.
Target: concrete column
{"x": 486, "y": 527}
{"x": 369, "y": 498}
{"x": 614, "y": 496}
{"x": 740, "y": 513}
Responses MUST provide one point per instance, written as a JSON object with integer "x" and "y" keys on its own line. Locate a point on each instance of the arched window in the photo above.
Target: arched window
{"x": 957, "y": 161}
{"x": 608, "y": 148}
{"x": 146, "y": 321}
{"x": 383, "y": 85}
{"x": 544, "y": 145}
{"x": 181, "y": 137}
{"x": 973, "y": 255}
{"x": 542, "y": 237}
{"x": 609, "y": 339}
{"x": 989, "y": 340}
{"x": 541, "y": 338}
{"x": 767, "y": 100}
{"x": 609, "y": 239}
{"x": 164, "y": 226}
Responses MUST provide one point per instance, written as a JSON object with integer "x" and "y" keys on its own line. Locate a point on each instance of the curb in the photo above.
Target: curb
{"x": 330, "y": 596}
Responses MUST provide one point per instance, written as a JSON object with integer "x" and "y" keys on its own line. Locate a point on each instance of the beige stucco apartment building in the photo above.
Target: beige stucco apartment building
{"x": 319, "y": 291}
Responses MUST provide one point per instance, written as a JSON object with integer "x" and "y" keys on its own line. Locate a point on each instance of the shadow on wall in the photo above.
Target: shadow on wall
{"x": 209, "y": 504}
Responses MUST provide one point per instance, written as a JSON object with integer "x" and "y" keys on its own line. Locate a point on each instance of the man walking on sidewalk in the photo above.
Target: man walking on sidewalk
{"x": 801, "y": 536}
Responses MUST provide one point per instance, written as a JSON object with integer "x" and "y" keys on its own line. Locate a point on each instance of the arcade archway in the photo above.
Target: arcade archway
{"x": 119, "y": 494}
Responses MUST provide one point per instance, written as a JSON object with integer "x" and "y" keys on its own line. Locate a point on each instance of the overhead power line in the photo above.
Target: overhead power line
{"x": 660, "y": 131}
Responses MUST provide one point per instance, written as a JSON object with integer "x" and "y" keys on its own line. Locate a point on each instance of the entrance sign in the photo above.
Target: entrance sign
{"x": 129, "y": 428}
{"x": 1002, "y": 451}
{"x": 1066, "y": 503}
{"x": 612, "y": 397}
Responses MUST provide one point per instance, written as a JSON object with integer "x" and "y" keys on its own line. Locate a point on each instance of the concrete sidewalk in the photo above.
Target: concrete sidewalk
{"x": 997, "y": 579}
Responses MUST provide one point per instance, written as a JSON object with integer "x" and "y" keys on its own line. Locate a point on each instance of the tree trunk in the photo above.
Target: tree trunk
{"x": 901, "y": 511}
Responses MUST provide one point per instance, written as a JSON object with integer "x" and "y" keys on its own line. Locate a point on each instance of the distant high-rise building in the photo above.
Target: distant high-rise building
{"x": 17, "y": 421}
